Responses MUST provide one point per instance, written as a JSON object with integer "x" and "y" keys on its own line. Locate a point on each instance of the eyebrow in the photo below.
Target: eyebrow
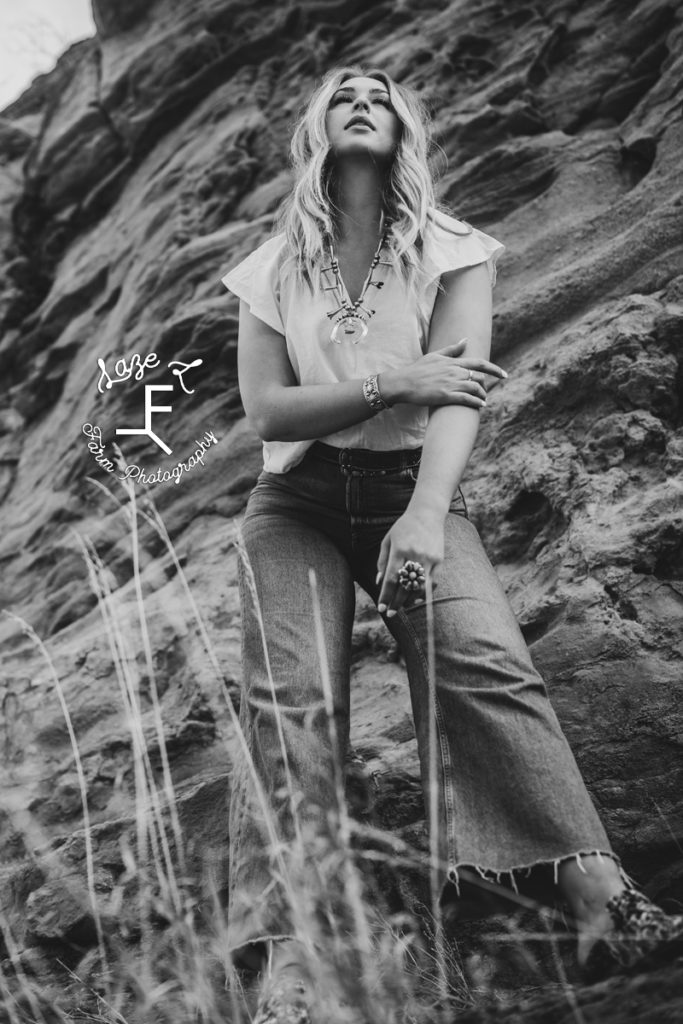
{"x": 352, "y": 88}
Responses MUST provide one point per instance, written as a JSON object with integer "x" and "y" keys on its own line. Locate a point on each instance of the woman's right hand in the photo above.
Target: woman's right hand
{"x": 444, "y": 377}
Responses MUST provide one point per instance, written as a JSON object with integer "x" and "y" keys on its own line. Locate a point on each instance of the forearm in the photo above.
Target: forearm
{"x": 281, "y": 409}
{"x": 305, "y": 412}
{"x": 449, "y": 439}
{"x": 452, "y": 429}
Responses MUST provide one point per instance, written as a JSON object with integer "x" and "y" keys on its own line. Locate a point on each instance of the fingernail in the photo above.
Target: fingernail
{"x": 391, "y": 613}
{"x": 381, "y": 608}
{"x": 505, "y": 374}
{"x": 483, "y": 405}
{"x": 378, "y": 577}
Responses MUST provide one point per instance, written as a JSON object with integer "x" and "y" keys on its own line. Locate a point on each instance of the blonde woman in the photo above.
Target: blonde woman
{"x": 364, "y": 342}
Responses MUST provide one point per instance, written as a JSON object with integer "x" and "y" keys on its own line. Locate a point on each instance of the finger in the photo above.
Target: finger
{"x": 387, "y": 593}
{"x": 408, "y": 600}
{"x": 386, "y": 575}
{"x": 453, "y": 350}
{"x": 478, "y": 378}
{"x": 484, "y": 366}
{"x": 382, "y": 559}
{"x": 423, "y": 595}
{"x": 404, "y": 597}
{"x": 397, "y": 601}
{"x": 472, "y": 386}
{"x": 390, "y": 584}
{"x": 459, "y": 397}
{"x": 402, "y": 594}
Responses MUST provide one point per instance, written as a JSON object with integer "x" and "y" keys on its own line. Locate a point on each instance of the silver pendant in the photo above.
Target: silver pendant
{"x": 349, "y": 328}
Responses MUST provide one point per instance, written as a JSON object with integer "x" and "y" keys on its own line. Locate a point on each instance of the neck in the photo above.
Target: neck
{"x": 359, "y": 200}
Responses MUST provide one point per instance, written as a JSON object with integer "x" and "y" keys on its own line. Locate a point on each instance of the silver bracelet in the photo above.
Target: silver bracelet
{"x": 371, "y": 394}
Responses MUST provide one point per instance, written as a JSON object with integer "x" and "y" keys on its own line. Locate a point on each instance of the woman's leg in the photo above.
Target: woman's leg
{"x": 283, "y": 716}
{"x": 509, "y": 791}
{"x": 587, "y": 886}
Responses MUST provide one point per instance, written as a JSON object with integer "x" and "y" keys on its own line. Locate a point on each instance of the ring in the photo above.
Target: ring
{"x": 411, "y": 576}
{"x": 469, "y": 376}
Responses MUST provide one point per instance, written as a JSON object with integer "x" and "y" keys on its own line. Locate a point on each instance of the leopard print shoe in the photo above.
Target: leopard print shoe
{"x": 285, "y": 999}
{"x": 643, "y": 936}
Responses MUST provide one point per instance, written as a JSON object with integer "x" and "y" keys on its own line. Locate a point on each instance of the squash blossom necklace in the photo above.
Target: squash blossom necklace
{"x": 351, "y": 318}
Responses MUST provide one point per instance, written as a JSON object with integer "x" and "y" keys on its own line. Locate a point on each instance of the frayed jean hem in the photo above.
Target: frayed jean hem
{"x": 508, "y": 876}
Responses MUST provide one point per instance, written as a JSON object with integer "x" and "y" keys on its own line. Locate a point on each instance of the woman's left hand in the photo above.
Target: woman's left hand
{"x": 412, "y": 538}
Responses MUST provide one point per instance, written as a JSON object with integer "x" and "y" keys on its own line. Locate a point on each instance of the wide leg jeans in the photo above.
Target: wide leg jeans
{"x": 509, "y": 793}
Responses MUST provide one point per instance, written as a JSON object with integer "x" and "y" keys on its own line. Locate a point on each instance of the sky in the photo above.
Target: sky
{"x": 33, "y": 33}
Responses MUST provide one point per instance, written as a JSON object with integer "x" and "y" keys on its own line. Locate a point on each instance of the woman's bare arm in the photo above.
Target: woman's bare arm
{"x": 462, "y": 308}
{"x": 281, "y": 409}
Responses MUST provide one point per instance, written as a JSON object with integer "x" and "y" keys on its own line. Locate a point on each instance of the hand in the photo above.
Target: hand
{"x": 444, "y": 377}
{"x": 412, "y": 538}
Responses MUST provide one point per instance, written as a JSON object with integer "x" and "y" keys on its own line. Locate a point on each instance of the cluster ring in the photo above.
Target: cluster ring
{"x": 411, "y": 576}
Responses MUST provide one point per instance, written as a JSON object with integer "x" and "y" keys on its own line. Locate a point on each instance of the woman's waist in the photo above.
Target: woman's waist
{"x": 343, "y": 486}
{"x": 340, "y": 486}
{"x": 389, "y": 460}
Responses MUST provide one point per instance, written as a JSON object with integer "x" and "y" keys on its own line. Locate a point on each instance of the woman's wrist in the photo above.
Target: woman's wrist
{"x": 391, "y": 384}
{"x": 428, "y": 504}
{"x": 372, "y": 394}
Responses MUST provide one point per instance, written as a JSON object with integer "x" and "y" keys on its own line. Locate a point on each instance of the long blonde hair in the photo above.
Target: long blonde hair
{"x": 308, "y": 215}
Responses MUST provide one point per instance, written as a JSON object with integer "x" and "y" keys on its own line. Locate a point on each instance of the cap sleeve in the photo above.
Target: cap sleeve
{"x": 452, "y": 244}
{"x": 256, "y": 280}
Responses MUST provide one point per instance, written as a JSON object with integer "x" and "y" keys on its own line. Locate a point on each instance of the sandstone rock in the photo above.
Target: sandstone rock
{"x": 60, "y": 911}
{"x": 112, "y": 18}
{"x": 14, "y": 139}
{"x": 77, "y": 147}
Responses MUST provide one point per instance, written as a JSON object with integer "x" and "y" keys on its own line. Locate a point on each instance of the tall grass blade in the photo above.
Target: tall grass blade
{"x": 149, "y": 662}
{"x": 434, "y": 819}
{"x": 29, "y": 631}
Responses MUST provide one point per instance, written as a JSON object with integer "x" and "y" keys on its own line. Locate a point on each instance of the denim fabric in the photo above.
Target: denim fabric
{"x": 510, "y": 795}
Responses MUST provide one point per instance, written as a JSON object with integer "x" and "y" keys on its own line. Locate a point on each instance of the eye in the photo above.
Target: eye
{"x": 341, "y": 97}
{"x": 384, "y": 100}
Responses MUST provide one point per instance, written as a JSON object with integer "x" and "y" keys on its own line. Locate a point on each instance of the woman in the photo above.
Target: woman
{"x": 364, "y": 342}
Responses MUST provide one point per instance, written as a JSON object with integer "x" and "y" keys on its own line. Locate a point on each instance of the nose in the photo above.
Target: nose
{"x": 361, "y": 103}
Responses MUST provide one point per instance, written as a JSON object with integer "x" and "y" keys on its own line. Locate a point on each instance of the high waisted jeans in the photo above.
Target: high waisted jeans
{"x": 510, "y": 795}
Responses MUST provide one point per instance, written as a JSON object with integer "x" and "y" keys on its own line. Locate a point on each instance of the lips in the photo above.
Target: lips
{"x": 360, "y": 120}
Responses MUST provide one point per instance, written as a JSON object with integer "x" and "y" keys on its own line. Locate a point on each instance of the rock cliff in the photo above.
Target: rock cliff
{"x": 131, "y": 177}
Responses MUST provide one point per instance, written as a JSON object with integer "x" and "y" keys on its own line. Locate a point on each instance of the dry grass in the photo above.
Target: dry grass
{"x": 370, "y": 967}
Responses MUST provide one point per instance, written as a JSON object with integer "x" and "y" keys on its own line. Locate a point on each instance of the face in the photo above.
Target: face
{"x": 361, "y": 119}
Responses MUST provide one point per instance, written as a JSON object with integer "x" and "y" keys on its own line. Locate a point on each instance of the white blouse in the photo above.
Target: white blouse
{"x": 398, "y": 331}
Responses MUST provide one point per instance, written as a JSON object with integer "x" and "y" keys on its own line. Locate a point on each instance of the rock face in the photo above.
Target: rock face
{"x": 131, "y": 177}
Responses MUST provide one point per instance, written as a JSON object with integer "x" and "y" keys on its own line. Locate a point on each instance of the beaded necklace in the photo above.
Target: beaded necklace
{"x": 351, "y": 318}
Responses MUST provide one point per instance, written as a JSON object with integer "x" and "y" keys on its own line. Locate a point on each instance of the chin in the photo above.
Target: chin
{"x": 363, "y": 147}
